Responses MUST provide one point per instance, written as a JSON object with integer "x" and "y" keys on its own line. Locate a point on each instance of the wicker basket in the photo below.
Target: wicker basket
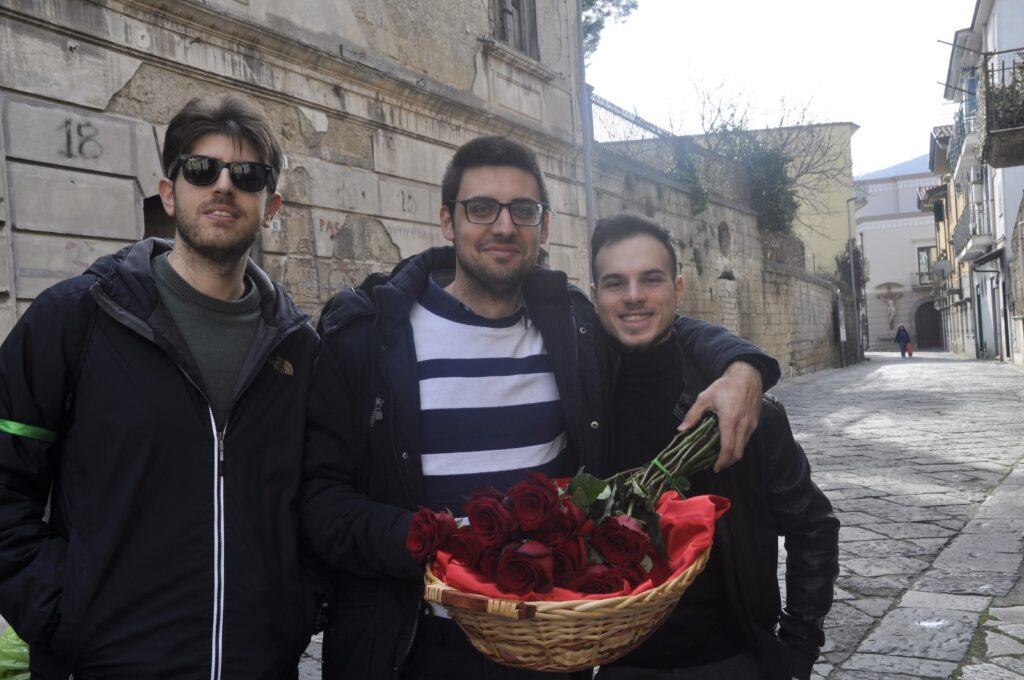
{"x": 561, "y": 636}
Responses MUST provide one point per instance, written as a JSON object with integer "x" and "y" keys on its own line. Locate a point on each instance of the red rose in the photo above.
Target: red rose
{"x": 568, "y": 523}
{"x": 570, "y": 558}
{"x": 621, "y": 541}
{"x": 491, "y": 520}
{"x": 466, "y": 547}
{"x": 525, "y": 567}
{"x": 597, "y": 579}
{"x": 535, "y": 501}
{"x": 428, "y": 531}
{"x": 634, "y": 573}
{"x": 489, "y": 563}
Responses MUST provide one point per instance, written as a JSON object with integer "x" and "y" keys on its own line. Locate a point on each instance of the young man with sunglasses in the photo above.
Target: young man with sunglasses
{"x": 155, "y": 404}
{"x": 462, "y": 369}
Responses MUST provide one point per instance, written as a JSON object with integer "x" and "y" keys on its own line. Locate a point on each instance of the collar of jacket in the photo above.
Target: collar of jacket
{"x": 126, "y": 279}
{"x": 390, "y": 297}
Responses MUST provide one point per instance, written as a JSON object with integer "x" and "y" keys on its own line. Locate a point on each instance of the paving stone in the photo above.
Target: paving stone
{"x": 987, "y": 671}
{"x": 910, "y": 529}
{"x": 872, "y": 606}
{"x": 885, "y": 566}
{"x": 1007, "y": 614}
{"x": 955, "y": 557}
{"x": 925, "y": 600}
{"x": 997, "y": 644}
{"x": 914, "y": 667}
{"x": 922, "y": 633}
{"x": 975, "y": 583}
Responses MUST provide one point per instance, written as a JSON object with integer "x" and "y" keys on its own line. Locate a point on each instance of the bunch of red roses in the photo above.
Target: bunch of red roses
{"x": 534, "y": 537}
{"x": 588, "y": 535}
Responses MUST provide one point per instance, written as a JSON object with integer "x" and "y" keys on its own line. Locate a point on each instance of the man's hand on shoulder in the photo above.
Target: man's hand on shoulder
{"x": 736, "y": 398}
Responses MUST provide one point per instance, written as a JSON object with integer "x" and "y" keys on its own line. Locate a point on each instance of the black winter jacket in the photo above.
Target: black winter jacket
{"x": 362, "y": 473}
{"x": 772, "y": 495}
{"x": 171, "y": 549}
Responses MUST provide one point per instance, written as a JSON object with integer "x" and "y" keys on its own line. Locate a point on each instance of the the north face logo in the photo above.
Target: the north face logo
{"x": 282, "y": 365}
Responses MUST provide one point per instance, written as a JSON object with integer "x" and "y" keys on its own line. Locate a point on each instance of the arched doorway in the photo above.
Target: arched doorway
{"x": 928, "y": 324}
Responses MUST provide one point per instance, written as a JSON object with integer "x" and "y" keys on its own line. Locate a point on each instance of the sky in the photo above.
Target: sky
{"x": 875, "y": 63}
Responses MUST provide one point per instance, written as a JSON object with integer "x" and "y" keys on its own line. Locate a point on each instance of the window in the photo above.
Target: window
{"x": 925, "y": 259}
{"x": 516, "y": 25}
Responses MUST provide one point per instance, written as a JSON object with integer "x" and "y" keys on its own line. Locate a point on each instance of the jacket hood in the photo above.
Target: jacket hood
{"x": 126, "y": 278}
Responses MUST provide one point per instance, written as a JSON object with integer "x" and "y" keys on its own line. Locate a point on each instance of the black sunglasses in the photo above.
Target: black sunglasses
{"x": 203, "y": 171}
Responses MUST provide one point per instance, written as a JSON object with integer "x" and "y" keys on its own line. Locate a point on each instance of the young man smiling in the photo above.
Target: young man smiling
{"x": 158, "y": 400}
{"x": 461, "y": 369}
{"x": 730, "y": 623}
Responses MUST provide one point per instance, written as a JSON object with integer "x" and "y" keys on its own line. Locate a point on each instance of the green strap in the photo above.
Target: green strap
{"x": 658, "y": 464}
{"x": 22, "y": 430}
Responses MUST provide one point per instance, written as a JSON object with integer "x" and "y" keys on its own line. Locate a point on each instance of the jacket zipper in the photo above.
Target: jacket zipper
{"x": 217, "y": 641}
{"x": 217, "y": 634}
{"x": 408, "y": 495}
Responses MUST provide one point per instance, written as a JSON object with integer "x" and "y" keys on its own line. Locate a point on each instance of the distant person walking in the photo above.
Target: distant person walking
{"x": 903, "y": 339}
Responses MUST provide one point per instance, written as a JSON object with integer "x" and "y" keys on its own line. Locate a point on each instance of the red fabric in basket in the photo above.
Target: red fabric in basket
{"x": 687, "y": 527}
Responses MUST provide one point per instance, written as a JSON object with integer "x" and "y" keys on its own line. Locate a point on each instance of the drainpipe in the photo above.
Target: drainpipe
{"x": 586, "y": 122}
{"x": 975, "y": 312}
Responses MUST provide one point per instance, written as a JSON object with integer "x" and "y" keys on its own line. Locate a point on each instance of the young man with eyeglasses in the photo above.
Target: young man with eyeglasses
{"x": 462, "y": 369}
{"x": 158, "y": 402}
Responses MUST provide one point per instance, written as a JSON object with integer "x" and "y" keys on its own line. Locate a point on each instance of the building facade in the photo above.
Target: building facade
{"x": 981, "y": 161}
{"x": 898, "y": 242}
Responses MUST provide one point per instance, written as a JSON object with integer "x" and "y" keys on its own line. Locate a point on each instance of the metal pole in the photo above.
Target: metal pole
{"x": 853, "y": 280}
{"x": 587, "y": 125}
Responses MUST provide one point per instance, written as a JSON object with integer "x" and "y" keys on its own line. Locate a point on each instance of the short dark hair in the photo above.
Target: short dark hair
{"x": 231, "y": 116}
{"x": 489, "y": 151}
{"x": 622, "y": 226}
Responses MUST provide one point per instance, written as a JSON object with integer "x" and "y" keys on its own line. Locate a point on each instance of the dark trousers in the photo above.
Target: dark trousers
{"x": 740, "y": 667}
{"x": 442, "y": 652}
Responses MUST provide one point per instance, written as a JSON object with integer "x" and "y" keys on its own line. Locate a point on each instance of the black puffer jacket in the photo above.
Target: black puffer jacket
{"x": 362, "y": 474}
{"x": 171, "y": 549}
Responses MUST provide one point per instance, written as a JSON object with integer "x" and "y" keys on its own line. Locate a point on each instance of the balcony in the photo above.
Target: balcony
{"x": 1001, "y": 110}
{"x": 964, "y": 138}
{"x": 922, "y": 280}
{"x": 972, "y": 236}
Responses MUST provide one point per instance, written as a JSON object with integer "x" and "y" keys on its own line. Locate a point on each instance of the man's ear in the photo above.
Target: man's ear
{"x": 447, "y": 223}
{"x": 593, "y": 292}
{"x": 680, "y": 287}
{"x": 165, "y": 187}
{"x": 544, "y": 227}
{"x": 273, "y": 205}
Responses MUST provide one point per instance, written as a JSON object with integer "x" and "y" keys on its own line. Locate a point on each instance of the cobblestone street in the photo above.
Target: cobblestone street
{"x": 919, "y": 458}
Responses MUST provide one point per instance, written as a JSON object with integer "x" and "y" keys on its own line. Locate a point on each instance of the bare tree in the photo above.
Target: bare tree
{"x": 794, "y": 162}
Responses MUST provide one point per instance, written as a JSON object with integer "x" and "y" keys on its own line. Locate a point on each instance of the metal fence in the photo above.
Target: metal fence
{"x": 679, "y": 158}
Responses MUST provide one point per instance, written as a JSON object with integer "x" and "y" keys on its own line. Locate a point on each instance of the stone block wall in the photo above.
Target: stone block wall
{"x": 367, "y": 120}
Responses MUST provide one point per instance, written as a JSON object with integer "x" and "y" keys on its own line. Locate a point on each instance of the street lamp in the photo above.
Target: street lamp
{"x": 858, "y": 202}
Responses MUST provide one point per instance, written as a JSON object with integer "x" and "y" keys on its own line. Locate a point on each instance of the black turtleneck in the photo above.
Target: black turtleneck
{"x": 648, "y": 385}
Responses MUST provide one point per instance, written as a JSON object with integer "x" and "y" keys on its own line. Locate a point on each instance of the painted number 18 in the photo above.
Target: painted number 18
{"x": 80, "y": 140}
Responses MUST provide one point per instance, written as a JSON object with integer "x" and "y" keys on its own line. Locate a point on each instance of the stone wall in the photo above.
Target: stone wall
{"x": 367, "y": 118}
{"x": 723, "y": 262}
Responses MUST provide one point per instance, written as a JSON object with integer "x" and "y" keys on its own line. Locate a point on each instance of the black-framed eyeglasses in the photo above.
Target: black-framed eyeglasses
{"x": 487, "y": 210}
{"x": 203, "y": 171}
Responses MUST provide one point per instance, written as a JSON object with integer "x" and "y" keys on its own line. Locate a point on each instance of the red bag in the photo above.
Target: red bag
{"x": 910, "y": 349}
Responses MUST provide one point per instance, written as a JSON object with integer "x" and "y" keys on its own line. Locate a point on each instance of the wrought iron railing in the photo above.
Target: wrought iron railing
{"x": 1003, "y": 100}
{"x": 963, "y": 125}
{"x": 970, "y": 224}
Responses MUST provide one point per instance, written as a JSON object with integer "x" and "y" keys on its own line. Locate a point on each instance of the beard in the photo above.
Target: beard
{"x": 497, "y": 283}
{"x": 221, "y": 247}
